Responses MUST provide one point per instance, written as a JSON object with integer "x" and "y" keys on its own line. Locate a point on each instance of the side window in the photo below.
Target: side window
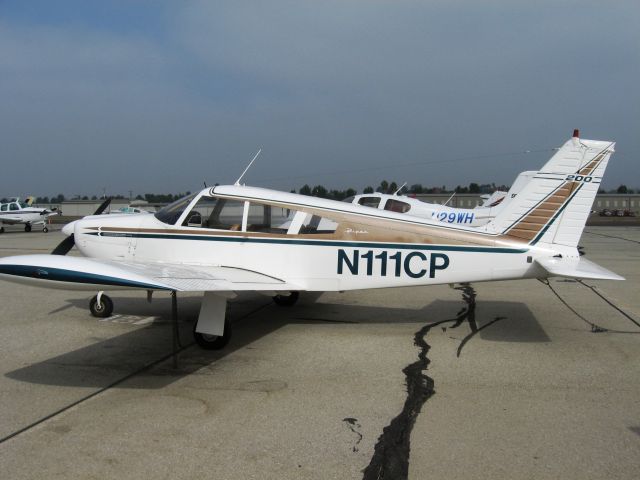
{"x": 14, "y": 206}
{"x": 227, "y": 215}
{"x": 198, "y": 216}
{"x": 313, "y": 224}
{"x": 3, "y": 208}
{"x": 217, "y": 213}
{"x": 370, "y": 201}
{"x": 267, "y": 218}
{"x": 397, "y": 206}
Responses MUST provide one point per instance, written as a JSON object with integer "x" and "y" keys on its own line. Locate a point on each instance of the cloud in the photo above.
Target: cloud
{"x": 322, "y": 87}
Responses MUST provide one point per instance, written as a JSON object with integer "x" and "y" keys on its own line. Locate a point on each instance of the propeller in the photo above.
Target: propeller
{"x": 67, "y": 244}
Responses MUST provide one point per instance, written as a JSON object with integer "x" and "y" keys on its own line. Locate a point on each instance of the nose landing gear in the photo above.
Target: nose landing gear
{"x": 101, "y": 306}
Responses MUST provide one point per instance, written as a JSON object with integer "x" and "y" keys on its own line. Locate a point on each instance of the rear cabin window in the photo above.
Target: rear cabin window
{"x": 397, "y": 206}
{"x": 313, "y": 224}
{"x": 3, "y": 208}
{"x": 372, "y": 202}
{"x": 268, "y": 218}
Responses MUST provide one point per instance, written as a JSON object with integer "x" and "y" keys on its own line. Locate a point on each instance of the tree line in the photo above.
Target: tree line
{"x": 323, "y": 192}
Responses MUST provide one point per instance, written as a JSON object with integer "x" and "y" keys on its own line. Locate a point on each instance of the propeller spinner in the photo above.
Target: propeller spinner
{"x": 67, "y": 244}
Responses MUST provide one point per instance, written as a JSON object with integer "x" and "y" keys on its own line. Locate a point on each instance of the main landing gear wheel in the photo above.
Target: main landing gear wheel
{"x": 103, "y": 309}
{"x": 45, "y": 230}
{"x": 287, "y": 300}
{"x": 27, "y": 227}
{"x": 213, "y": 342}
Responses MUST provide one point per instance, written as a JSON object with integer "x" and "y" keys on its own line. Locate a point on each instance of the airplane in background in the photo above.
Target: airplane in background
{"x": 228, "y": 239}
{"x": 16, "y": 212}
{"x": 474, "y": 217}
{"x": 129, "y": 210}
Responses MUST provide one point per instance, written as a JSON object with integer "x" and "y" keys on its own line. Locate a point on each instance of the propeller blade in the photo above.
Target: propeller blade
{"x": 64, "y": 246}
{"x": 103, "y": 207}
{"x": 67, "y": 244}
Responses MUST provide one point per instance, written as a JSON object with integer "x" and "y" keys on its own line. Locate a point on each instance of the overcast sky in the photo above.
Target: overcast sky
{"x": 155, "y": 96}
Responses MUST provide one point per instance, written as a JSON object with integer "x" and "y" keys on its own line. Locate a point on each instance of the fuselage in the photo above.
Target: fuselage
{"x": 318, "y": 244}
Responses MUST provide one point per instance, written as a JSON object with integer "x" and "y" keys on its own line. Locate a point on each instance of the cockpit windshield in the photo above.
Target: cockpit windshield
{"x": 171, "y": 213}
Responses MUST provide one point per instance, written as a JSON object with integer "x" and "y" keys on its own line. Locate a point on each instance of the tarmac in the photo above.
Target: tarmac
{"x": 517, "y": 380}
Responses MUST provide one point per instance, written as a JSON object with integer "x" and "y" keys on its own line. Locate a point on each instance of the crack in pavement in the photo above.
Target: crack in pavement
{"x": 391, "y": 453}
{"x": 474, "y": 332}
{"x": 613, "y": 236}
{"x": 352, "y": 423}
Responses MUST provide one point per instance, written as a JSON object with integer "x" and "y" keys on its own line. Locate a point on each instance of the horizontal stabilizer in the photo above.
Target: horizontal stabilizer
{"x": 576, "y": 268}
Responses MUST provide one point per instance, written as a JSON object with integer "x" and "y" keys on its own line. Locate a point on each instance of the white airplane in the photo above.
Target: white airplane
{"x": 228, "y": 239}
{"x": 473, "y": 217}
{"x": 129, "y": 210}
{"x": 16, "y": 212}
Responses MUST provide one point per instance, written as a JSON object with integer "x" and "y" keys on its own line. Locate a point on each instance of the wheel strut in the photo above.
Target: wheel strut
{"x": 175, "y": 330}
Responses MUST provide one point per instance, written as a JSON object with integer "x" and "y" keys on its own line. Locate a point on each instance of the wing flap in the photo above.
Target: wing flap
{"x": 196, "y": 278}
{"x": 576, "y": 268}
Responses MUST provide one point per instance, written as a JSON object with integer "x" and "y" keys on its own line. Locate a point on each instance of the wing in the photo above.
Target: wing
{"x": 80, "y": 273}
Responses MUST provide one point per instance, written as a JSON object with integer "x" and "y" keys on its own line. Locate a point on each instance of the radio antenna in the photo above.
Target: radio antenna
{"x": 400, "y": 189}
{"x": 449, "y": 199}
{"x": 248, "y": 167}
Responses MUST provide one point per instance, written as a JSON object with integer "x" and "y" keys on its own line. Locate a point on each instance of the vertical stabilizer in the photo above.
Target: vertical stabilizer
{"x": 553, "y": 207}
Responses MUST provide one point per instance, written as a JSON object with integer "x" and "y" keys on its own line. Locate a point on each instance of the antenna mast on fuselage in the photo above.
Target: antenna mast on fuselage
{"x": 248, "y": 167}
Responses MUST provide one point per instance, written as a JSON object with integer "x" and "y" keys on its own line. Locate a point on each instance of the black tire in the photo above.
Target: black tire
{"x": 1, "y": 229}
{"x": 287, "y": 300}
{"x": 213, "y": 342}
{"x": 45, "y": 230}
{"x": 102, "y": 310}
{"x": 27, "y": 227}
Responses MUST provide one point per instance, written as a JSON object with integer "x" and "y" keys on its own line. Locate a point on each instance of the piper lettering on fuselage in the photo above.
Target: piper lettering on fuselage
{"x": 412, "y": 264}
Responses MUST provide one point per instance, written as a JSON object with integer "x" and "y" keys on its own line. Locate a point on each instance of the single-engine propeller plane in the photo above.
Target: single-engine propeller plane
{"x": 227, "y": 239}
{"x": 16, "y": 212}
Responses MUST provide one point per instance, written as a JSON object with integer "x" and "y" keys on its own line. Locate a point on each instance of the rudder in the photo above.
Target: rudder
{"x": 554, "y": 206}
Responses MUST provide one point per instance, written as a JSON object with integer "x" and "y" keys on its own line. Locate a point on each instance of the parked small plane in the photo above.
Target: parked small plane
{"x": 234, "y": 238}
{"x": 16, "y": 212}
{"x": 474, "y": 217}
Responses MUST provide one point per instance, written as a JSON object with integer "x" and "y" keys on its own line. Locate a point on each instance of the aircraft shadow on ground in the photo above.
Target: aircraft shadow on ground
{"x": 107, "y": 360}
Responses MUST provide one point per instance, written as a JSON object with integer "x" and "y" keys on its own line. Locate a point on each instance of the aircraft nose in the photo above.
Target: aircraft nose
{"x": 68, "y": 228}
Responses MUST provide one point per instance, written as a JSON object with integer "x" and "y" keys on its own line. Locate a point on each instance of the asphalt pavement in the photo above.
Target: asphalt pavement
{"x": 517, "y": 380}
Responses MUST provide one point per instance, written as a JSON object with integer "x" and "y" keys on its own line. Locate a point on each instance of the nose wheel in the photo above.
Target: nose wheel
{"x": 101, "y": 306}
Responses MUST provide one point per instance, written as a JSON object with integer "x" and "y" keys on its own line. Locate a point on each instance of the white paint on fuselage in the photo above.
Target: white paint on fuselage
{"x": 313, "y": 265}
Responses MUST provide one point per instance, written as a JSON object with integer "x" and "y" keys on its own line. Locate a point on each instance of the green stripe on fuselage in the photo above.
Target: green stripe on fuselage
{"x": 321, "y": 243}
